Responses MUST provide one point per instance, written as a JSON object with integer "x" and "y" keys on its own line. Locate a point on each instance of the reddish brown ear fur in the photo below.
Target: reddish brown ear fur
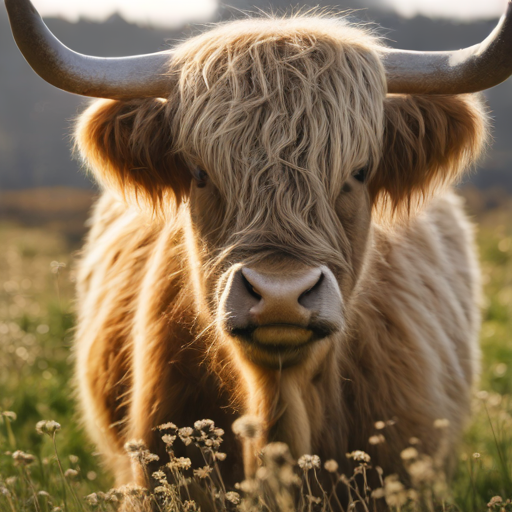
{"x": 129, "y": 148}
{"x": 428, "y": 142}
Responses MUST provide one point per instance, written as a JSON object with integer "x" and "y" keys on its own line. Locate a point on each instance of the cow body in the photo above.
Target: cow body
{"x": 278, "y": 238}
{"x": 411, "y": 355}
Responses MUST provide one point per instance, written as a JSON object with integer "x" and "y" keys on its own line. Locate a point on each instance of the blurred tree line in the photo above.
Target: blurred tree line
{"x": 36, "y": 119}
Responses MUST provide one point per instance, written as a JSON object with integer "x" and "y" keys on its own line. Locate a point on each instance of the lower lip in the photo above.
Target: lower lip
{"x": 283, "y": 335}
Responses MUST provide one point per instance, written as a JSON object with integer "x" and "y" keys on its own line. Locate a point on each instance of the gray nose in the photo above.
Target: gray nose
{"x": 288, "y": 308}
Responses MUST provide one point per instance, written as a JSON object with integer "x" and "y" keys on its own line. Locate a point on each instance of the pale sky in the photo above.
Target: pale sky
{"x": 174, "y": 12}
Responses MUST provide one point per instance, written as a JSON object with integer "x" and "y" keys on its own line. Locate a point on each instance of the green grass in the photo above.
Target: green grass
{"x": 36, "y": 368}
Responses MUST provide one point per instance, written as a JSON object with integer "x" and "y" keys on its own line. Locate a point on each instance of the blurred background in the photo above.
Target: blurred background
{"x": 38, "y": 179}
{"x": 45, "y": 198}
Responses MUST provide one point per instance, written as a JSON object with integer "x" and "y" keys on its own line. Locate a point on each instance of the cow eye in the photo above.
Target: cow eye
{"x": 200, "y": 176}
{"x": 361, "y": 174}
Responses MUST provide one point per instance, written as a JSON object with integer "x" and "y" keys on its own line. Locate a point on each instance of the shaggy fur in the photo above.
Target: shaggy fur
{"x": 280, "y": 114}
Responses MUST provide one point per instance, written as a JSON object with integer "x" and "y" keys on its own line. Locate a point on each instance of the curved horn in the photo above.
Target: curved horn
{"x": 472, "y": 69}
{"x": 141, "y": 76}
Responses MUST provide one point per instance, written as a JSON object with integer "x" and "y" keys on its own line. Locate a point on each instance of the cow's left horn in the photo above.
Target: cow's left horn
{"x": 472, "y": 69}
{"x": 141, "y": 76}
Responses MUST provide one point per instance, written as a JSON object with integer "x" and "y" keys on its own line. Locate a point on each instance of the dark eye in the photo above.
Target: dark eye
{"x": 200, "y": 176}
{"x": 361, "y": 174}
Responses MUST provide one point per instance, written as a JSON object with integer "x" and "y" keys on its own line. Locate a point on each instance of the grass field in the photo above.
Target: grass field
{"x": 36, "y": 368}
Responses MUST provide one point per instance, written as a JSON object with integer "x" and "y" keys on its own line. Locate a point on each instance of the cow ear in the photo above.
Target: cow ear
{"x": 428, "y": 142}
{"x": 128, "y": 147}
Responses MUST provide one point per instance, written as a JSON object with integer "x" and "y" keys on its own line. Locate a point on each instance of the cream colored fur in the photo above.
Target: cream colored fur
{"x": 281, "y": 114}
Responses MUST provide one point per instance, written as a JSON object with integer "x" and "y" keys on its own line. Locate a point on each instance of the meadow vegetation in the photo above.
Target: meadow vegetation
{"x": 54, "y": 468}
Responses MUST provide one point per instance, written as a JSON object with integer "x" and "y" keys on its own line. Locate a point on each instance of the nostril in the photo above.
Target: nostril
{"x": 250, "y": 288}
{"x": 312, "y": 290}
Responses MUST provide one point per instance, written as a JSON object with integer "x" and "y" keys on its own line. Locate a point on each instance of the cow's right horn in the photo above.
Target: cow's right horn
{"x": 141, "y": 76}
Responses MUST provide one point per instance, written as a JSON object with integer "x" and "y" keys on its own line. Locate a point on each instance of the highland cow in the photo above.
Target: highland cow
{"x": 277, "y": 236}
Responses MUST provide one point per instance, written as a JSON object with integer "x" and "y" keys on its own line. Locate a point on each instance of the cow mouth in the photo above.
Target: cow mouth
{"x": 279, "y": 345}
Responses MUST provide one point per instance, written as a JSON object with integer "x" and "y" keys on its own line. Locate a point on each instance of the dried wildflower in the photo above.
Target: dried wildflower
{"x": 476, "y": 455}
{"x": 203, "y": 472}
{"x": 57, "y": 266}
{"x": 134, "y": 490}
{"x": 442, "y": 423}
{"x": 248, "y": 486}
{"x": 11, "y": 416}
{"x": 22, "y": 459}
{"x": 359, "y": 455}
{"x": 220, "y": 456}
{"x": 331, "y": 466}
{"x": 233, "y": 497}
{"x": 307, "y": 462}
{"x": 185, "y": 434}
{"x": 113, "y": 496}
{"x": 394, "y": 491}
{"x": 422, "y": 470}
{"x": 482, "y": 395}
{"x": 168, "y": 439}
{"x": 167, "y": 427}
{"x": 179, "y": 463}
{"x": 377, "y": 439}
{"x": 4, "y": 491}
{"x": 409, "y": 453}
{"x": 277, "y": 454}
{"x": 139, "y": 453}
{"x": 48, "y": 427}
{"x": 92, "y": 500}
{"x": 414, "y": 440}
{"x": 263, "y": 473}
{"x": 379, "y": 425}
{"x": 72, "y": 474}
{"x": 73, "y": 459}
{"x": 190, "y": 506}
{"x": 159, "y": 475}
{"x": 496, "y": 500}
{"x": 11, "y": 480}
{"x": 248, "y": 427}
{"x": 378, "y": 493}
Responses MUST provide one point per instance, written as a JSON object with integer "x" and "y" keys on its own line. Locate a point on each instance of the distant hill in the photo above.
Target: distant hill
{"x": 36, "y": 119}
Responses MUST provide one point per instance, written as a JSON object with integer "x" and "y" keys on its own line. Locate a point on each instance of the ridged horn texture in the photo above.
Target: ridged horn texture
{"x": 472, "y": 69}
{"x": 141, "y": 76}
{"x": 469, "y": 70}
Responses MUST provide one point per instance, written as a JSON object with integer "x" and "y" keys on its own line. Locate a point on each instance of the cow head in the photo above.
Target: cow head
{"x": 279, "y": 140}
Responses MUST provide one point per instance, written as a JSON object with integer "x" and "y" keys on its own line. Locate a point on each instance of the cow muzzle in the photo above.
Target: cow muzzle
{"x": 276, "y": 318}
